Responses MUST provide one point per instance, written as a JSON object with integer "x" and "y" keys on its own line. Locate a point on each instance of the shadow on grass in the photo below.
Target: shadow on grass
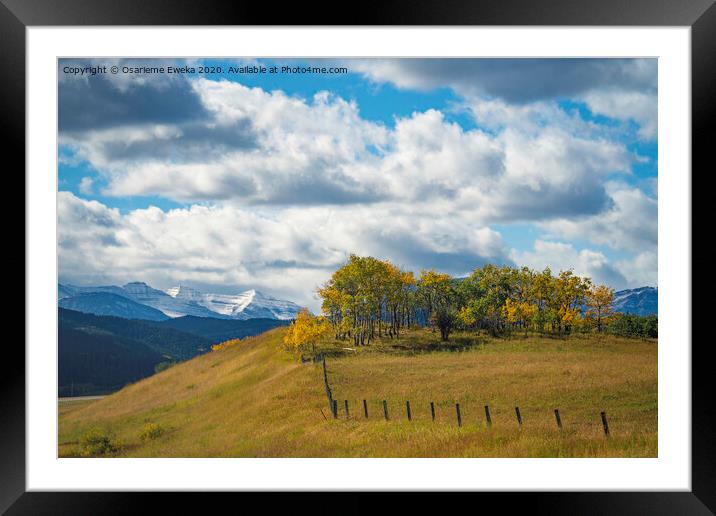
{"x": 423, "y": 341}
{"x": 410, "y": 346}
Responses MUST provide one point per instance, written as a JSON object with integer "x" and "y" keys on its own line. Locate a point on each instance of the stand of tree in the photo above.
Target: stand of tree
{"x": 368, "y": 298}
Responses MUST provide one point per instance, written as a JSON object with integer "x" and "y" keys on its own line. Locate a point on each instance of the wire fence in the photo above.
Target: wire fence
{"x": 333, "y": 408}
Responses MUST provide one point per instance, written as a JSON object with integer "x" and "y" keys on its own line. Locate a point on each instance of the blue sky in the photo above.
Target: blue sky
{"x": 227, "y": 181}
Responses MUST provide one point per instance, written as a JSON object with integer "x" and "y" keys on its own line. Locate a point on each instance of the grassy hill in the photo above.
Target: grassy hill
{"x": 257, "y": 400}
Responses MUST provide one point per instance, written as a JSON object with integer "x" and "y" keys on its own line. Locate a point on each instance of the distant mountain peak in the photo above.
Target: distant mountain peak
{"x": 183, "y": 292}
{"x": 638, "y": 301}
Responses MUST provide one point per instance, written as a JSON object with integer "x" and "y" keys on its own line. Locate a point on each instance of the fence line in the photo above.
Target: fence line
{"x": 333, "y": 406}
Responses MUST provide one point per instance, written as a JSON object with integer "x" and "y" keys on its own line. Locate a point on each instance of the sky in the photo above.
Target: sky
{"x": 238, "y": 174}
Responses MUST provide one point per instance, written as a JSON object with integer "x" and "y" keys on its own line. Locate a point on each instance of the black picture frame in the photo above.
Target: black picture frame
{"x": 17, "y": 15}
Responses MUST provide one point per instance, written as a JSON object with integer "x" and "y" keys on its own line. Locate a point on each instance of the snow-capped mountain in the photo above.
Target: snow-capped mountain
{"x": 638, "y": 301}
{"x": 173, "y": 307}
{"x": 246, "y": 305}
{"x": 181, "y": 301}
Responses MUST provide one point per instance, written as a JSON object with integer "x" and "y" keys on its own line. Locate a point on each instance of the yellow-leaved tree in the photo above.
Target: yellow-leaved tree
{"x": 225, "y": 344}
{"x": 599, "y": 305}
{"x": 306, "y": 329}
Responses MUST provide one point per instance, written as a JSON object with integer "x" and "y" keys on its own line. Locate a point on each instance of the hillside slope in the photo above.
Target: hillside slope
{"x": 256, "y": 400}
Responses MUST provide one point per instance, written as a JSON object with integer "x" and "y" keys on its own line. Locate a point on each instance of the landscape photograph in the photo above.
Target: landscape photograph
{"x": 359, "y": 257}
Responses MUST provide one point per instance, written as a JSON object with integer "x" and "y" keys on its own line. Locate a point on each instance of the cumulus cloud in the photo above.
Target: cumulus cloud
{"x": 88, "y": 102}
{"x": 630, "y": 224}
{"x": 622, "y": 89}
{"x": 641, "y": 270}
{"x": 260, "y": 147}
{"x": 85, "y": 186}
{"x": 515, "y": 80}
{"x": 288, "y": 253}
{"x": 637, "y": 106}
{"x": 564, "y": 256}
{"x": 257, "y": 146}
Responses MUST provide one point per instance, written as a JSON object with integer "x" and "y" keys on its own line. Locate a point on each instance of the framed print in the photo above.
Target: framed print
{"x": 447, "y": 249}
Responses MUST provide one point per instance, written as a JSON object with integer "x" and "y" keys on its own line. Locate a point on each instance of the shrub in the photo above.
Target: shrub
{"x": 225, "y": 344}
{"x": 162, "y": 366}
{"x": 629, "y": 325}
{"x": 96, "y": 442}
{"x": 150, "y": 432}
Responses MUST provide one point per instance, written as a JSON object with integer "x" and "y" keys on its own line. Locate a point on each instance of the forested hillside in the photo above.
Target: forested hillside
{"x": 98, "y": 354}
{"x": 103, "y": 353}
{"x": 93, "y": 361}
{"x": 169, "y": 342}
{"x": 217, "y": 330}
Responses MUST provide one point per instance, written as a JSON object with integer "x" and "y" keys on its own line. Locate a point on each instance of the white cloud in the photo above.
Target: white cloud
{"x": 637, "y": 106}
{"x": 621, "y": 89}
{"x": 270, "y": 148}
{"x": 630, "y": 224}
{"x": 642, "y": 270}
{"x": 563, "y": 256}
{"x": 289, "y": 151}
{"x": 86, "y": 185}
{"x": 514, "y": 80}
{"x": 285, "y": 252}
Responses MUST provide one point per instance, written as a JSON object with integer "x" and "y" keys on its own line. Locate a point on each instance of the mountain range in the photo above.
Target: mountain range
{"x": 637, "y": 301}
{"x": 137, "y": 300}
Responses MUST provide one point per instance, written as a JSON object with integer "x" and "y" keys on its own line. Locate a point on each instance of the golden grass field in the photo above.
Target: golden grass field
{"x": 258, "y": 400}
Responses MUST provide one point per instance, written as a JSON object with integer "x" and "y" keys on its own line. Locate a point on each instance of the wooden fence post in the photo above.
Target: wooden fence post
{"x": 487, "y": 415}
{"x": 385, "y": 410}
{"x": 335, "y": 409}
{"x": 559, "y": 419}
{"x": 459, "y": 416}
{"x": 348, "y": 414}
{"x": 407, "y": 409}
{"x": 519, "y": 416}
{"x": 365, "y": 409}
{"x": 605, "y": 424}
{"x": 329, "y": 393}
{"x": 432, "y": 410}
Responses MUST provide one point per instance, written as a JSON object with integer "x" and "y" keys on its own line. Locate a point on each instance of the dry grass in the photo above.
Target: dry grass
{"x": 257, "y": 400}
